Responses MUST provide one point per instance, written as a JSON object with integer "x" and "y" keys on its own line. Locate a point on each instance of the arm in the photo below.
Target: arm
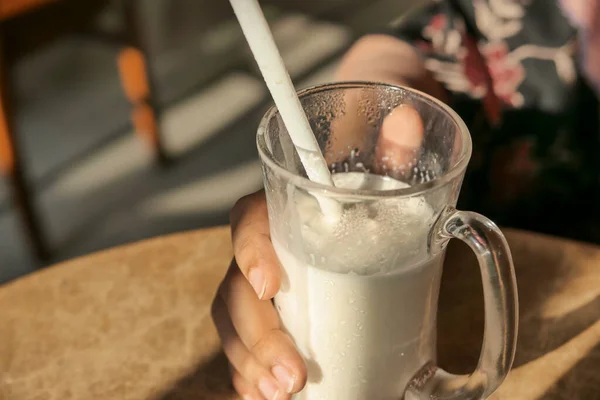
{"x": 384, "y": 58}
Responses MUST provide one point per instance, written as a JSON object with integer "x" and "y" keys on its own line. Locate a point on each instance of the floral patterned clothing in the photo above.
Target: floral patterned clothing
{"x": 511, "y": 70}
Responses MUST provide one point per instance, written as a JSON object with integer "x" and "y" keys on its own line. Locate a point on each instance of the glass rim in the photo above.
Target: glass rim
{"x": 303, "y": 182}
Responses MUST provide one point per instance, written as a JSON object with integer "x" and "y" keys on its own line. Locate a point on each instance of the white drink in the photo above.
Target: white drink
{"x": 360, "y": 298}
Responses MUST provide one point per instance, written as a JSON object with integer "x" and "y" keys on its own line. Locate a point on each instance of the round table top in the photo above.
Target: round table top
{"x": 134, "y": 322}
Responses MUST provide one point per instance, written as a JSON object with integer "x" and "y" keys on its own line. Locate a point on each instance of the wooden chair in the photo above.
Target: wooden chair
{"x": 26, "y": 25}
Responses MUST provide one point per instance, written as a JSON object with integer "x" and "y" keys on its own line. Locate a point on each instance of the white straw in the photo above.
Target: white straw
{"x": 259, "y": 37}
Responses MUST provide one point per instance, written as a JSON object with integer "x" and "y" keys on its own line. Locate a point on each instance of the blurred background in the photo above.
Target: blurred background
{"x": 127, "y": 119}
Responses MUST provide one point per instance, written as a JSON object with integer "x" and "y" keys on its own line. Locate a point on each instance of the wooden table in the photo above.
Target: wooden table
{"x": 134, "y": 322}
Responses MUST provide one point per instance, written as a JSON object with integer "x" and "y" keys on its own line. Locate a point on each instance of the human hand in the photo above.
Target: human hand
{"x": 264, "y": 361}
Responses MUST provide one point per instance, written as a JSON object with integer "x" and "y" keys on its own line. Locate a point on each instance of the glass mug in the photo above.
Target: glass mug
{"x": 359, "y": 290}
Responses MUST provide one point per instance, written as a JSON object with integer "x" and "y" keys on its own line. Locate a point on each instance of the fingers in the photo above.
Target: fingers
{"x": 264, "y": 358}
{"x": 252, "y": 318}
{"x": 401, "y": 137}
{"x": 258, "y": 326}
{"x": 277, "y": 350}
{"x": 252, "y": 245}
{"x": 401, "y": 134}
{"x": 348, "y": 129}
{"x": 254, "y": 377}
{"x": 244, "y": 388}
{"x": 260, "y": 352}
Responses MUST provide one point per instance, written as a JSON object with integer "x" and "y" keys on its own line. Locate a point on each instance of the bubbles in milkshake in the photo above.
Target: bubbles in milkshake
{"x": 367, "y": 238}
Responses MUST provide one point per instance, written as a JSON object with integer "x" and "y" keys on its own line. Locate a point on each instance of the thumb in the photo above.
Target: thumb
{"x": 400, "y": 139}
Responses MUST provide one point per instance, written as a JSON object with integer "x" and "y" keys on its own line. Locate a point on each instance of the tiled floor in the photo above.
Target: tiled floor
{"x": 97, "y": 186}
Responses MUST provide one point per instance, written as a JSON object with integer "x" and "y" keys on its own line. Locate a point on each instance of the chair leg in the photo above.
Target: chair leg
{"x": 136, "y": 82}
{"x": 11, "y": 165}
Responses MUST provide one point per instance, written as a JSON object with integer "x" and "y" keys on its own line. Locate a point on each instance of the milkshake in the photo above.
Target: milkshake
{"x": 359, "y": 287}
{"x": 359, "y": 296}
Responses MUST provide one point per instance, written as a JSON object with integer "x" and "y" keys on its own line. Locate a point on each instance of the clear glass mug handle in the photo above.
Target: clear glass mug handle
{"x": 501, "y": 313}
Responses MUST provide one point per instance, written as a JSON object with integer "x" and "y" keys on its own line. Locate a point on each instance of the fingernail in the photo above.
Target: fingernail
{"x": 268, "y": 389}
{"x": 285, "y": 377}
{"x": 258, "y": 282}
